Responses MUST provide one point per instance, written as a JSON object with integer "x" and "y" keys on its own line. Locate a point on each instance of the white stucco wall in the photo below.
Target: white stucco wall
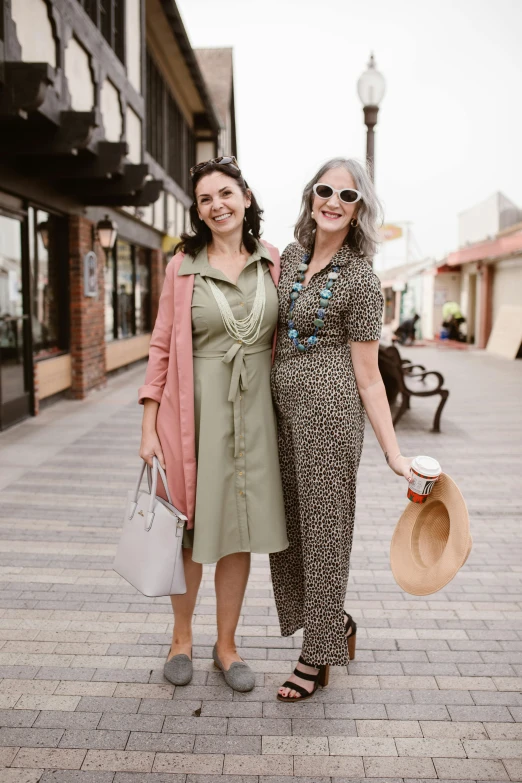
{"x": 204, "y": 151}
{"x": 111, "y": 111}
{"x": 171, "y": 215}
{"x": 180, "y": 218}
{"x": 79, "y": 76}
{"x": 133, "y": 135}
{"x": 34, "y": 31}
{"x": 133, "y": 42}
{"x": 427, "y": 321}
{"x": 147, "y": 214}
{"x": 159, "y": 212}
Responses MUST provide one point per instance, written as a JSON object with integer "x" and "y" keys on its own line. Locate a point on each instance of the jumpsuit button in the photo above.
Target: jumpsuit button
{"x": 240, "y": 453}
{"x": 240, "y": 473}
{"x": 240, "y": 492}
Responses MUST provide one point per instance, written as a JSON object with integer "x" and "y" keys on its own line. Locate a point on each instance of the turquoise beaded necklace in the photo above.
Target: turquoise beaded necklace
{"x": 324, "y": 300}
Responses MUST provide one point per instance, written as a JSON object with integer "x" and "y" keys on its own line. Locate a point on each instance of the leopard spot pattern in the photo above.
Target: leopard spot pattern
{"x": 320, "y": 436}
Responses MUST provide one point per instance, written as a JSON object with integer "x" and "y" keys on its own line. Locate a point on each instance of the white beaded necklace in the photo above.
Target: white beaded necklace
{"x": 245, "y": 330}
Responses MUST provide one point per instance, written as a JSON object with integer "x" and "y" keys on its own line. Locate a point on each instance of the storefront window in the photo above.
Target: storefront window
{"x": 49, "y": 282}
{"x": 142, "y": 292}
{"x": 127, "y": 291}
{"x": 110, "y": 267}
{"x": 125, "y": 283}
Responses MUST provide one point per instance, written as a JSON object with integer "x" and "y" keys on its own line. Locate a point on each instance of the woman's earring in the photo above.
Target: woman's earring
{"x": 312, "y": 215}
{"x": 354, "y": 222}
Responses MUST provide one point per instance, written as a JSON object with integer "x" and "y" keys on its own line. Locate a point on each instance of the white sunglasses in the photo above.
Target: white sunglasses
{"x": 347, "y": 195}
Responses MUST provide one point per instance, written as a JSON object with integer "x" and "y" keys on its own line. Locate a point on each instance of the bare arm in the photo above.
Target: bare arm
{"x": 373, "y": 396}
{"x": 150, "y": 443}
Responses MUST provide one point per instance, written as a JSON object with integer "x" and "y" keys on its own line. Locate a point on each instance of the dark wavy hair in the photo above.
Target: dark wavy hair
{"x": 201, "y": 234}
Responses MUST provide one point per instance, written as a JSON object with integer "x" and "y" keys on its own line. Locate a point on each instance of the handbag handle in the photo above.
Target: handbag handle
{"x": 152, "y": 476}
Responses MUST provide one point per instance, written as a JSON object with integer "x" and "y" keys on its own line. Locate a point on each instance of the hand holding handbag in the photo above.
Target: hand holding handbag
{"x": 150, "y": 555}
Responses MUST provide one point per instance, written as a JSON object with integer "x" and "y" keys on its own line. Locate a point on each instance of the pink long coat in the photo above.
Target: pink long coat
{"x": 170, "y": 381}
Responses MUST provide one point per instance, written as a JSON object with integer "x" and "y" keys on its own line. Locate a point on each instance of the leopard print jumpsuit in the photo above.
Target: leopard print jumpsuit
{"x": 321, "y": 426}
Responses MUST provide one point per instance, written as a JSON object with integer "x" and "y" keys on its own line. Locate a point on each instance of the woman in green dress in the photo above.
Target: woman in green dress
{"x": 239, "y": 505}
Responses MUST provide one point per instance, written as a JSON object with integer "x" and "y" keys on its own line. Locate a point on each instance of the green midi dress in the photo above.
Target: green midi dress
{"x": 239, "y": 499}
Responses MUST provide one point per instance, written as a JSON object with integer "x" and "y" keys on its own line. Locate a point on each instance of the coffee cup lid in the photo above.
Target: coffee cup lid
{"x": 427, "y": 466}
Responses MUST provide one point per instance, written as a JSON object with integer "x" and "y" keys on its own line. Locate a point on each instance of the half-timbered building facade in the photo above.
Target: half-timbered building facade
{"x": 103, "y": 109}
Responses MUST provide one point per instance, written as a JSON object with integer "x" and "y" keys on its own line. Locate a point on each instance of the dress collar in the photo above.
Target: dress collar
{"x": 199, "y": 265}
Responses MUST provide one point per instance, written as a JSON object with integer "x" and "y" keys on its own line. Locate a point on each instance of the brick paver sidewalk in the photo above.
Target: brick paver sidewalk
{"x": 435, "y": 688}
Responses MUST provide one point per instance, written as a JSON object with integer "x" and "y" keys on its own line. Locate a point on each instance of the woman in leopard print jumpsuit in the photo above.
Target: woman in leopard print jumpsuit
{"x": 320, "y": 389}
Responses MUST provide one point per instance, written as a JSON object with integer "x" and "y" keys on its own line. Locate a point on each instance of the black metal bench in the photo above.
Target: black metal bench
{"x": 396, "y": 372}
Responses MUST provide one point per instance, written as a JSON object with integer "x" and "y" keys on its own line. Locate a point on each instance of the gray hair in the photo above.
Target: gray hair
{"x": 364, "y": 238}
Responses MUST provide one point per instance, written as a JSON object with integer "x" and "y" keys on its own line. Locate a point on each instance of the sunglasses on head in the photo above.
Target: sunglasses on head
{"x": 224, "y": 160}
{"x": 347, "y": 195}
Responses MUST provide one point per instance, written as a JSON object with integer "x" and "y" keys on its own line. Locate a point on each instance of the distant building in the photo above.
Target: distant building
{"x": 482, "y": 276}
{"x": 486, "y": 219}
{"x": 217, "y": 69}
{"x": 421, "y": 287}
{"x": 491, "y": 278}
{"x": 103, "y": 110}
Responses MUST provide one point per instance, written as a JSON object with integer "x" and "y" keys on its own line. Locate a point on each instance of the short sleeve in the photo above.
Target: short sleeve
{"x": 365, "y": 306}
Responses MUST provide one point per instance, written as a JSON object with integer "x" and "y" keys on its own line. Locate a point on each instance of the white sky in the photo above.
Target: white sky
{"x": 450, "y": 125}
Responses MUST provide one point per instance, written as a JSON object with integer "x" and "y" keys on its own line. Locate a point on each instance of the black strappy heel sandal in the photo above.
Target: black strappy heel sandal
{"x": 350, "y": 627}
{"x": 319, "y": 679}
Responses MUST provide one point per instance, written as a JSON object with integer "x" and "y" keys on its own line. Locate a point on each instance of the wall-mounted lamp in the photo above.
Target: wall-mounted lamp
{"x": 107, "y": 232}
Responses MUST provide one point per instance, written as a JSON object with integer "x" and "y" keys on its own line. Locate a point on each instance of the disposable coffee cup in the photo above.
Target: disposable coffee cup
{"x": 425, "y": 472}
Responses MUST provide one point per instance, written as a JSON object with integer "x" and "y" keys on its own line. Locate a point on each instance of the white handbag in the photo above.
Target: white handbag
{"x": 150, "y": 555}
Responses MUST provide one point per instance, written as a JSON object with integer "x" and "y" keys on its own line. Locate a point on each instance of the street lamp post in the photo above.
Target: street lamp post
{"x": 371, "y": 88}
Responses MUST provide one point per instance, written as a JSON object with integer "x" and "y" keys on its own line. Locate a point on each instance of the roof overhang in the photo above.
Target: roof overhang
{"x": 491, "y": 250}
{"x": 178, "y": 29}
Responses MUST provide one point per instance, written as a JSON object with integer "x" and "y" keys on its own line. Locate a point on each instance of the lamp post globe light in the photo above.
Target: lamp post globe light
{"x": 371, "y": 88}
{"x": 107, "y": 233}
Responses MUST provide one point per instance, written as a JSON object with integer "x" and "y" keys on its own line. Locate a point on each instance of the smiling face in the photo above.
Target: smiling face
{"x": 221, "y": 203}
{"x": 333, "y": 215}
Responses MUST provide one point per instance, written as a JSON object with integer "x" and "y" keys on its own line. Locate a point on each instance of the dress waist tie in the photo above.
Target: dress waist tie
{"x": 239, "y": 380}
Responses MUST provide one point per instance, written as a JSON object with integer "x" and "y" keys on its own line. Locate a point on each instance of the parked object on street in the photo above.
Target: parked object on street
{"x": 452, "y": 320}
{"x": 425, "y": 472}
{"x": 149, "y": 554}
{"x": 431, "y": 541}
{"x": 405, "y": 332}
{"x": 396, "y": 372}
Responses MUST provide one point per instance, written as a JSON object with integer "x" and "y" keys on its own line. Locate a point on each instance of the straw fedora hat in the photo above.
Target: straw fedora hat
{"x": 432, "y": 540}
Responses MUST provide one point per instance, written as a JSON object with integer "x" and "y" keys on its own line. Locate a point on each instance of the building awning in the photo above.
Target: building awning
{"x": 491, "y": 250}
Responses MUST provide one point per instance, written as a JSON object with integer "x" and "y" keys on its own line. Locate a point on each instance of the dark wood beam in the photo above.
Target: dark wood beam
{"x": 141, "y": 198}
{"x": 26, "y": 86}
{"x": 132, "y": 180}
{"x": 35, "y": 136}
{"x": 108, "y": 161}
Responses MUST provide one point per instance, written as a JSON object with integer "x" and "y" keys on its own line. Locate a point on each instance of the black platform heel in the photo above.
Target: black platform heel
{"x": 350, "y": 628}
{"x": 319, "y": 679}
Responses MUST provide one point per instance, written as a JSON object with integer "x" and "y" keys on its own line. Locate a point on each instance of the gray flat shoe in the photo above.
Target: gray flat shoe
{"x": 239, "y": 677}
{"x": 179, "y": 669}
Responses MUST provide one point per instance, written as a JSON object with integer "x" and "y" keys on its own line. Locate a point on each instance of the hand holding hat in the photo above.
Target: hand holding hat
{"x": 432, "y": 540}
